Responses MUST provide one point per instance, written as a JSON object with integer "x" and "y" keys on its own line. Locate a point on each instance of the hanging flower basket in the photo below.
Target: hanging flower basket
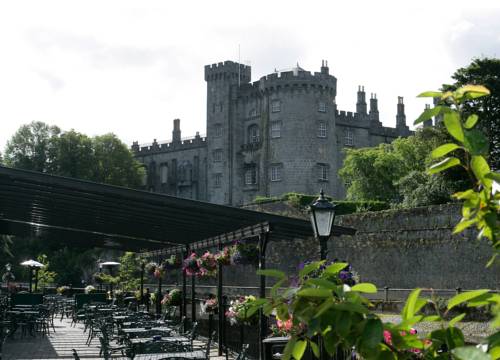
{"x": 151, "y": 267}
{"x": 245, "y": 253}
{"x": 190, "y": 265}
{"x": 172, "y": 298}
{"x": 158, "y": 273}
{"x": 173, "y": 262}
{"x": 223, "y": 257}
{"x": 210, "y": 306}
{"x": 207, "y": 264}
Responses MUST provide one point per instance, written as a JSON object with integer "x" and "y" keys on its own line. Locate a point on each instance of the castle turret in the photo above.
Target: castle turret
{"x": 176, "y": 133}
{"x": 401, "y": 117}
{"x": 361, "y": 103}
{"x": 427, "y": 123}
{"x": 324, "y": 67}
{"x": 374, "y": 115}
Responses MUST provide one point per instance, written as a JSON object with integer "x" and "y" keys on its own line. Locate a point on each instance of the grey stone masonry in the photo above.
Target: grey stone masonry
{"x": 282, "y": 133}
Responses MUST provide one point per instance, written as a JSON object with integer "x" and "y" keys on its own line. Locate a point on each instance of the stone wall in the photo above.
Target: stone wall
{"x": 399, "y": 248}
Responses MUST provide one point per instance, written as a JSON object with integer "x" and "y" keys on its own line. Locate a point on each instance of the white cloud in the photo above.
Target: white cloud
{"x": 132, "y": 66}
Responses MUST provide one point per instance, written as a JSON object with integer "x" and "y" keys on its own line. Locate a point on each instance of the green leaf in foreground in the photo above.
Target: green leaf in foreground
{"x": 299, "y": 348}
{"x": 470, "y": 353}
{"x": 321, "y": 293}
{"x": 465, "y": 296}
{"x": 471, "y": 121}
{"x": 335, "y": 268}
{"x": 443, "y": 165}
{"x": 456, "y": 319}
{"x": 430, "y": 94}
{"x": 453, "y": 125}
{"x": 428, "y": 114}
{"x": 409, "y": 309}
{"x": 272, "y": 273}
{"x": 443, "y": 150}
{"x": 365, "y": 288}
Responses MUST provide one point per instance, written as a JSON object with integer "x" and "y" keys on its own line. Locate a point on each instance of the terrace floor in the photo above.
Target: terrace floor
{"x": 58, "y": 345}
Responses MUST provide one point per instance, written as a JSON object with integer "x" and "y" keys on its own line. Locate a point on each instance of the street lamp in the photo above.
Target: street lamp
{"x": 322, "y": 217}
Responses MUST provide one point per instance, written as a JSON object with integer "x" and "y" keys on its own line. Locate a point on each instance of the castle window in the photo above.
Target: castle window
{"x": 275, "y": 106}
{"x": 251, "y": 176}
{"x": 323, "y": 170}
{"x": 218, "y": 130}
{"x": 221, "y": 107}
{"x": 163, "y": 173}
{"x": 276, "y": 129}
{"x": 321, "y": 107}
{"x": 252, "y": 113}
{"x": 217, "y": 180}
{"x": 349, "y": 138}
{"x": 217, "y": 155}
{"x": 253, "y": 134}
{"x": 276, "y": 172}
{"x": 322, "y": 129}
{"x": 213, "y": 108}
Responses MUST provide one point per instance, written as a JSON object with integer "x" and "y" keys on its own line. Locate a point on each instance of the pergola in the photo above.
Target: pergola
{"x": 83, "y": 213}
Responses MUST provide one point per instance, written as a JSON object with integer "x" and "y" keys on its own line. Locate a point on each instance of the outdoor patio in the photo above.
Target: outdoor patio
{"x": 59, "y": 345}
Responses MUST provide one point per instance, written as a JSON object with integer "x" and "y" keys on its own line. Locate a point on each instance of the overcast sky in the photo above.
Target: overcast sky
{"x": 131, "y": 67}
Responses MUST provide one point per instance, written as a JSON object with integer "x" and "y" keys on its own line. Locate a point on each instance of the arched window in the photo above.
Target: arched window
{"x": 164, "y": 173}
{"x": 253, "y": 134}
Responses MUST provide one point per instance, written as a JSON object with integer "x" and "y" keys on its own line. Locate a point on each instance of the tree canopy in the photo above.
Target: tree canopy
{"x": 395, "y": 172}
{"x": 483, "y": 71}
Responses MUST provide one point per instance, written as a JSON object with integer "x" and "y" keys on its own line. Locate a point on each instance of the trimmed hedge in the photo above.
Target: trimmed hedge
{"x": 301, "y": 201}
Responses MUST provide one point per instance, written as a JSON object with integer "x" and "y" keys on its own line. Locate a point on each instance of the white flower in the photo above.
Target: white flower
{"x": 346, "y": 288}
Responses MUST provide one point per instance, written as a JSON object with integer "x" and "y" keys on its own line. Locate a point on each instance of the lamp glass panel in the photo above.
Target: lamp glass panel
{"x": 324, "y": 221}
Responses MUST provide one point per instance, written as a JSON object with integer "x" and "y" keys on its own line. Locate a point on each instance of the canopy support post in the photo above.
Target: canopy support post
{"x": 263, "y": 238}
{"x": 221, "y": 323}
{"x": 184, "y": 288}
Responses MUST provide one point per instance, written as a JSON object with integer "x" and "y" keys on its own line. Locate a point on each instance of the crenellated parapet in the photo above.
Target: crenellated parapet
{"x": 155, "y": 147}
{"x": 228, "y": 70}
{"x": 297, "y": 80}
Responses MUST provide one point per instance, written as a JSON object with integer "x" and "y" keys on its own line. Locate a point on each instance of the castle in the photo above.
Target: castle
{"x": 280, "y": 134}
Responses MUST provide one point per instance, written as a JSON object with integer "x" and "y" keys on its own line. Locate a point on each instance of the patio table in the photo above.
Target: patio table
{"x": 143, "y": 340}
{"x": 195, "y": 355}
{"x": 137, "y": 332}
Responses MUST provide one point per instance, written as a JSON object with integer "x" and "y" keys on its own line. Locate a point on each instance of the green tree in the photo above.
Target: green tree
{"x": 72, "y": 155}
{"x": 115, "y": 163}
{"x": 30, "y": 146}
{"x": 45, "y": 275}
{"x": 484, "y": 71}
{"x": 129, "y": 272}
{"x": 396, "y": 172}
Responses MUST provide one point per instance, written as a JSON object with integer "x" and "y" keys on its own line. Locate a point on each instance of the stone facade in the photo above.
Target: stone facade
{"x": 280, "y": 134}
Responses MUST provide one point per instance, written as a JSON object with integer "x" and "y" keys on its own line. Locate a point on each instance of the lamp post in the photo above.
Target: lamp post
{"x": 322, "y": 217}
{"x": 32, "y": 264}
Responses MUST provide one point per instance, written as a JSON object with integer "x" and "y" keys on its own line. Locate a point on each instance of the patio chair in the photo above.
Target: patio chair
{"x": 243, "y": 354}
{"x": 107, "y": 350}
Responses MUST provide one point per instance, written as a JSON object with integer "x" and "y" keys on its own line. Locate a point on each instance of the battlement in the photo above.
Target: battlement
{"x": 297, "y": 79}
{"x": 228, "y": 70}
{"x": 169, "y": 146}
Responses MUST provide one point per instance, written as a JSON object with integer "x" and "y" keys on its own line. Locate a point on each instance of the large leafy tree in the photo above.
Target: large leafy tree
{"x": 114, "y": 163}
{"x": 30, "y": 146}
{"x": 484, "y": 71}
{"x": 396, "y": 172}
{"x": 72, "y": 155}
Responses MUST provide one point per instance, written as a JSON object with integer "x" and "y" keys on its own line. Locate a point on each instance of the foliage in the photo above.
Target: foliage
{"x": 30, "y": 147}
{"x": 302, "y": 201}
{"x": 173, "y": 262}
{"x": 210, "y": 305}
{"x": 481, "y": 203}
{"x": 129, "y": 271}
{"x": 191, "y": 265}
{"x": 45, "y": 275}
{"x": 396, "y": 172}
{"x": 172, "y": 298}
{"x": 483, "y": 71}
{"x": 103, "y": 278}
{"x": 207, "y": 264}
{"x": 223, "y": 257}
{"x": 114, "y": 163}
{"x": 322, "y": 307}
{"x": 240, "y": 312}
{"x": 245, "y": 252}
{"x": 71, "y": 154}
{"x": 89, "y": 289}
{"x": 63, "y": 290}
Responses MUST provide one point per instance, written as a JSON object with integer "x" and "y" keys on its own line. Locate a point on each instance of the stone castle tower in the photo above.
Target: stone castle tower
{"x": 282, "y": 133}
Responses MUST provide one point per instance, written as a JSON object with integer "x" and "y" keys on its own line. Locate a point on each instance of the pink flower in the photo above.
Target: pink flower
{"x": 413, "y": 331}
{"x": 387, "y": 337}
